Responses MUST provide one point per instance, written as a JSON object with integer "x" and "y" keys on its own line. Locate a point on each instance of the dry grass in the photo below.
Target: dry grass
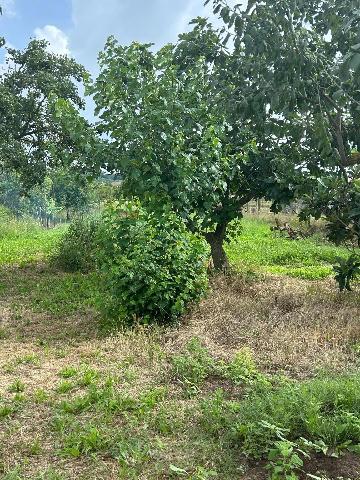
{"x": 291, "y": 325}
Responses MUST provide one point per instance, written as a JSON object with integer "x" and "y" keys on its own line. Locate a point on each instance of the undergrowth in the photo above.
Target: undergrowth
{"x": 253, "y": 416}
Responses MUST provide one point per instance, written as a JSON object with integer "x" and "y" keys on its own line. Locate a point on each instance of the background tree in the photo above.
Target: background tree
{"x": 71, "y": 192}
{"x": 61, "y": 195}
{"x": 34, "y": 136}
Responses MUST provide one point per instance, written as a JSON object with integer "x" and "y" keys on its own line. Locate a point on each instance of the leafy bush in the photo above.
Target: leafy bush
{"x": 346, "y": 271}
{"x": 76, "y": 251}
{"x": 152, "y": 267}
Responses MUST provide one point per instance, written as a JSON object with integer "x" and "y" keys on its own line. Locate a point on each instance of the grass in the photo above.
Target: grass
{"x": 261, "y": 375}
{"x": 263, "y": 250}
{"x": 24, "y": 241}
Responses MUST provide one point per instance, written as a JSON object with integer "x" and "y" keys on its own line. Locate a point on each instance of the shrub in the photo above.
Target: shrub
{"x": 346, "y": 271}
{"x": 193, "y": 367}
{"x": 152, "y": 267}
{"x": 76, "y": 250}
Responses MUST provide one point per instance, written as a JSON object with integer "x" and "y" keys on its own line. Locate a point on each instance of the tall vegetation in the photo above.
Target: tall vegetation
{"x": 151, "y": 266}
{"x": 303, "y": 60}
{"x": 34, "y": 136}
{"x": 177, "y": 135}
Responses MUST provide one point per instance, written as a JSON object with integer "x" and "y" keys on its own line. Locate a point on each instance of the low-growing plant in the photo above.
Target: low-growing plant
{"x": 34, "y": 447}
{"x": 41, "y": 396}
{"x": 83, "y": 441}
{"x": 152, "y": 267}
{"x": 242, "y": 369}
{"x": 65, "y": 386}
{"x": 6, "y": 410}
{"x": 76, "y": 250}
{"x": 17, "y": 387}
{"x": 286, "y": 422}
{"x": 68, "y": 372}
{"x": 284, "y": 460}
{"x": 193, "y": 367}
{"x": 346, "y": 271}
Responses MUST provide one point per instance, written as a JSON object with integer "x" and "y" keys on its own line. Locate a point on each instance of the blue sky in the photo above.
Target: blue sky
{"x": 80, "y": 27}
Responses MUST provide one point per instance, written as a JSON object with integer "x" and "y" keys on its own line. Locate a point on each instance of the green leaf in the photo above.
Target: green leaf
{"x": 355, "y": 62}
{"x": 338, "y": 94}
{"x": 177, "y": 470}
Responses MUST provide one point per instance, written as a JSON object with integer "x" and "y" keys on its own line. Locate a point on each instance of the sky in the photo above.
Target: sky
{"x": 80, "y": 27}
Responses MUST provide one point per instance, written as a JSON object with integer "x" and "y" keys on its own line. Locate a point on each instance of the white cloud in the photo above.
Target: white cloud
{"x": 58, "y": 40}
{"x": 8, "y": 8}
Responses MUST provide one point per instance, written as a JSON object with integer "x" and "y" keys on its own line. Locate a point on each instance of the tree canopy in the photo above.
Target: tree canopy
{"x": 303, "y": 60}
{"x": 176, "y": 134}
{"x": 34, "y": 133}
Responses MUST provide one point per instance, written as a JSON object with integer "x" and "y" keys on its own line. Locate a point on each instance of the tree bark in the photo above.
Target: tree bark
{"x": 216, "y": 242}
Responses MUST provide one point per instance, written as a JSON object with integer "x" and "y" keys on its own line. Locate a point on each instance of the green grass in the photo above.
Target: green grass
{"x": 57, "y": 294}
{"x": 156, "y": 431}
{"x": 260, "y": 249}
{"x": 24, "y": 241}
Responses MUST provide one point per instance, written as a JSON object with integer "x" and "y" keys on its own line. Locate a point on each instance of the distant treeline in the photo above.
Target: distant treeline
{"x": 62, "y": 196}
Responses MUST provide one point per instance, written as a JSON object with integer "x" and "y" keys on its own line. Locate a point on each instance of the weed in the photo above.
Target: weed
{"x": 49, "y": 474}
{"x": 284, "y": 460}
{"x": 88, "y": 377}
{"x": 166, "y": 419}
{"x": 14, "y": 474}
{"x": 3, "y": 334}
{"x": 83, "y": 441}
{"x": 193, "y": 367}
{"x": 6, "y": 410}
{"x": 17, "y": 387}
{"x": 40, "y": 395}
{"x": 65, "y": 387}
{"x": 28, "y": 359}
{"x": 68, "y": 372}
{"x": 35, "y": 447}
{"x": 242, "y": 369}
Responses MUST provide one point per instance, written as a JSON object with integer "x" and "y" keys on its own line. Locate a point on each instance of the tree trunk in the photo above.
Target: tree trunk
{"x": 216, "y": 242}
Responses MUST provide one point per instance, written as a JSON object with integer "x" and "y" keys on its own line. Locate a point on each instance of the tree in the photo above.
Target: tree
{"x": 69, "y": 191}
{"x": 176, "y": 136}
{"x": 303, "y": 58}
{"x": 34, "y": 136}
{"x": 60, "y": 191}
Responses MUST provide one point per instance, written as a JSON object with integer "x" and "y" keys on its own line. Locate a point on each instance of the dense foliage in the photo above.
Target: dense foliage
{"x": 77, "y": 249}
{"x": 176, "y": 133}
{"x": 35, "y": 135}
{"x": 303, "y": 62}
{"x": 61, "y": 196}
{"x": 152, "y": 267}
